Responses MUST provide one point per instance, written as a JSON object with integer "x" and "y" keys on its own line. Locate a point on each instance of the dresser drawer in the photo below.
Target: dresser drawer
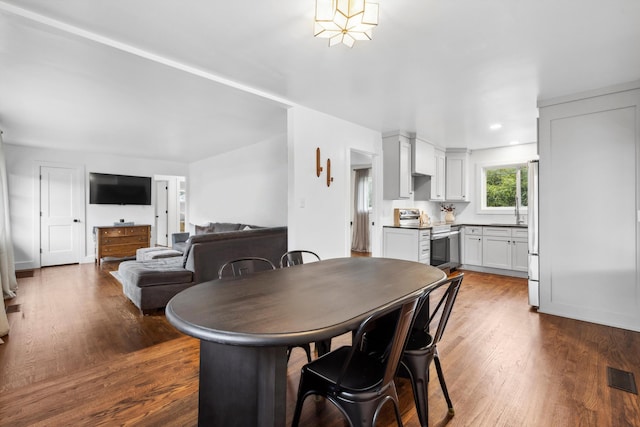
{"x": 123, "y": 240}
{"x": 122, "y": 250}
{"x": 136, "y": 231}
{"x": 112, "y": 232}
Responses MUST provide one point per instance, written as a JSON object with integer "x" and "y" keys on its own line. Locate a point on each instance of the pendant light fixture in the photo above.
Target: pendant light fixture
{"x": 345, "y": 21}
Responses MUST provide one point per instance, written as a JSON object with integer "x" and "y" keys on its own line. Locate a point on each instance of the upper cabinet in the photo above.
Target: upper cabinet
{"x": 456, "y": 175}
{"x": 396, "y": 167}
{"x": 438, "y": 178}
{"x": 423, "y": 158}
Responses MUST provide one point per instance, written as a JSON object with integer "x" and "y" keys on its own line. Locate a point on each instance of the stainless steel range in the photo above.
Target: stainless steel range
{"x": 445, "y": 246}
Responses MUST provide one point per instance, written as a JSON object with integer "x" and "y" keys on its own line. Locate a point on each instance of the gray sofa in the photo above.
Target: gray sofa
{"x": 179, "y": 240}
{"x": 151, "y": 284}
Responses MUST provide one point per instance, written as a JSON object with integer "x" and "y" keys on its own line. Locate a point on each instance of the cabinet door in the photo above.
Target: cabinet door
{"x": 405, "y": 170}
{"x": 396, "y": 167}
{"x": 473, "y": 250}
{"x": 519, "y": 255}
{"x": 438, "y": 179}
{"x": 456, "y": 179}
{"x": 401, "y": 244}
{"x": 496, "y": 252}
{"x": 422, "y": 158}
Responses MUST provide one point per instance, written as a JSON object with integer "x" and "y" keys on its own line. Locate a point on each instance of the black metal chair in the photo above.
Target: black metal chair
{"x": 295, "y": 258}
{"x": 289, "y": 259}
{"x": 357, "y": 382}
{"x": 422, "y": 348}
{"x": 241, "y": 266}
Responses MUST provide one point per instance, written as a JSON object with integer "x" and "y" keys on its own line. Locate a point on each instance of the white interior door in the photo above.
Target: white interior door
{"x": 61, "y": 202}
{"x": 162, "y": 213}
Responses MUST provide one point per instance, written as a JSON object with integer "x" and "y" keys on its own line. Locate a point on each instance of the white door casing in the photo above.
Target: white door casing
{"x": 61, "y": 214}
{"x": 162, "y": 213}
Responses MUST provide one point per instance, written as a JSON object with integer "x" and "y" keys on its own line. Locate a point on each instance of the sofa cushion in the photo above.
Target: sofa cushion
{"x": 162, "y": 271}
{"x": 206, "y": 228}
{"x": 221, "y": 227}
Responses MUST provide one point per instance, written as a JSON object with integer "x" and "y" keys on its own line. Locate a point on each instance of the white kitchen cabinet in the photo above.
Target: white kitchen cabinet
{"x": 456, "y": 176}
{"x": 407, "y": 243}
{"x": 520, "y": 255}
{"x": 422, "y": 157}
{"x": 396, "y": 167}
{"x": 431, "y": 187}
{"x": 438, "y": 179}
{"x": 472, "y": 246}
{"x": 505, "y": 248}
{"x": 496, "y": 252}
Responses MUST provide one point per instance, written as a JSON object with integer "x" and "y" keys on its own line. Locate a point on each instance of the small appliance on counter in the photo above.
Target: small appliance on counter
{"x": 406, "y": 217}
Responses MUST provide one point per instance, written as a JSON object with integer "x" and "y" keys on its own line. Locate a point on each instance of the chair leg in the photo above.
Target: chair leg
{"x": 436, "y": 359}
{"x": 418, "y": 369}
{"x": 299, "y": 401}
{"x": 307, "y": 349}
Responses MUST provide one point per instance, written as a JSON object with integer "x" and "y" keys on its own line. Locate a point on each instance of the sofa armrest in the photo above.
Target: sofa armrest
{"x": 179, "y": 238}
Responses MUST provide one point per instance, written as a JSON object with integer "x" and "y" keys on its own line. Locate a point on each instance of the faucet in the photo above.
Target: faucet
{"x": 519, "y": 219}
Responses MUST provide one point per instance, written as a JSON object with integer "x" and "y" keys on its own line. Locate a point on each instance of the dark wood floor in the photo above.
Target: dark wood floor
{"x": 79, "y": 353}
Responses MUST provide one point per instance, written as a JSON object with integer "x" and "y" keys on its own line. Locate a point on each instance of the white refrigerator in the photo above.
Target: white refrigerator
{"x": 534, "y": 270}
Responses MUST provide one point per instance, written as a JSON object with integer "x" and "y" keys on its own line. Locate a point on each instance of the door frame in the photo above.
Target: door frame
{"x": 375, "y": 237}
{"x": 81, "y": 240}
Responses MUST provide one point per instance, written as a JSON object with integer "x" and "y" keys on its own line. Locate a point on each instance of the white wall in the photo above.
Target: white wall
{"x": 248, "y": 185}
{"x": 22, "y": 168}
{"x": 469, "y": 212}
{"x": 319, "y": 215}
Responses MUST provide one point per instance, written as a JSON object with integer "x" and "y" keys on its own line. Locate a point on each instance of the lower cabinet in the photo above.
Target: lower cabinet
{"x": 407, "y": 243}
{"x": 503, "y": 248}
{"x": 472, "y": 246}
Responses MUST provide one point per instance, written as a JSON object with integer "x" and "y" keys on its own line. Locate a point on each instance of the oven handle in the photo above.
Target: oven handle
{"x": 454, "y": 232}
{"x": 439, "y": 236}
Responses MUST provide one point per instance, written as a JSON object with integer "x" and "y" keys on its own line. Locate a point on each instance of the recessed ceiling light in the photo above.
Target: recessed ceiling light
{"x": 496, "y": 126}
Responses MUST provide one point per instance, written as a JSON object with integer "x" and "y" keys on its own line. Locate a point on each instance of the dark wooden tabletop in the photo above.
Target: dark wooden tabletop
{"x": 297, "y": 304}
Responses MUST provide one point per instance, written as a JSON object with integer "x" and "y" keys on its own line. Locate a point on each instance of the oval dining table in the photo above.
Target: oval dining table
{"x": 245, "y": 325}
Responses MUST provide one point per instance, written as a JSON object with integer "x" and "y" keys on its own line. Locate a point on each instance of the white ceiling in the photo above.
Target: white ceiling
{"x": 186, "y": 80}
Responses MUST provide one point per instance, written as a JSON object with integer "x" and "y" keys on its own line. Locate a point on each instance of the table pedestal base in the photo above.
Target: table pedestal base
{"x": 242, "y": 386}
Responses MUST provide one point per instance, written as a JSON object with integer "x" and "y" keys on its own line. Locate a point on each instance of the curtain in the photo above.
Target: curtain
{"x": 360, "y": 236}
{"x": 7, "y": 266}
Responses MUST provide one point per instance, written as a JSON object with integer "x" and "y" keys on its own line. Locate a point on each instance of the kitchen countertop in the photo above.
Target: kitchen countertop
{"x": 462, "y": 224}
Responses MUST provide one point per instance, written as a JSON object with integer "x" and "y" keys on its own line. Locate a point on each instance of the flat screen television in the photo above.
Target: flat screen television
{"x": 107, "y": 189}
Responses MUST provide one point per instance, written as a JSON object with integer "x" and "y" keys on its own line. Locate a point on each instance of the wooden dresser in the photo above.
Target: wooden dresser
{"x": 121, "y": 241}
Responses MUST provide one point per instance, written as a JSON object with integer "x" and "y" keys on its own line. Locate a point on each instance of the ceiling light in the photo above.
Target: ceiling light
{"x": 495, "y": 126}
{"x": 345, "y": 21}
{"x": 514, "y": 143}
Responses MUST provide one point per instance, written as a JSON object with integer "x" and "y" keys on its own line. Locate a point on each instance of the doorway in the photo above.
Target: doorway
{"x": 61, "y": 214}
{"x": 170, "y": 208}
{"x": 362, "y": 203}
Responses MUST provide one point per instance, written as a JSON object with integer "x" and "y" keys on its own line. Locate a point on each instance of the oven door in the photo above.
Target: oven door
{"x": 440, "y": 249}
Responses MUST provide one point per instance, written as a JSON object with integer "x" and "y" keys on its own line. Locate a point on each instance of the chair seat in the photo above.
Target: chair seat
{"x": 419, "y": 340}
{"x": 358, "y": 378}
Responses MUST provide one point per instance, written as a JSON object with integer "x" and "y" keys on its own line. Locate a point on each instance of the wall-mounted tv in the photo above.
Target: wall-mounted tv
{"x": 107, "y": 189}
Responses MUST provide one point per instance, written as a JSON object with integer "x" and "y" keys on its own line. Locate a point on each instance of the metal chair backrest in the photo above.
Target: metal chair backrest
{"x": 443, "y": 309}
{"x": 403, "y": 314}
{"x": 295, "y": 258}
{"x": 242, "y": 266}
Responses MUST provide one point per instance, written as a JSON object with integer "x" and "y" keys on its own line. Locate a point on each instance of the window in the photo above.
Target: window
{"x": 503, "y": 185}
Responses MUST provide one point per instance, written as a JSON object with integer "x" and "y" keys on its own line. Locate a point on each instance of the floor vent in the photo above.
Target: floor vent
{"x": 622, "y": 380}
{"x": 13, "y": 308}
